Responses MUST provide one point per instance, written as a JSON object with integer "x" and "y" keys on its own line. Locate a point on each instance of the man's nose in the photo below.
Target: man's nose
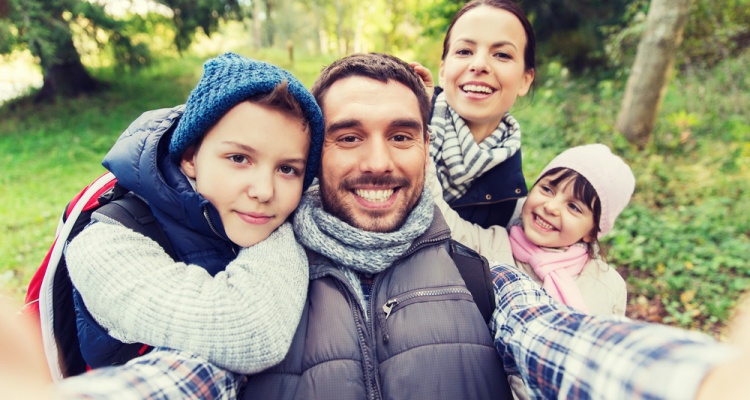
{"x": 377, "y": 157}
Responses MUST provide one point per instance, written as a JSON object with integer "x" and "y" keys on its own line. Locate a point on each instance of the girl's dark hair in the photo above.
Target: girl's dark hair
{"x": 583, "y": 191}
{"x": 529, "y": 54}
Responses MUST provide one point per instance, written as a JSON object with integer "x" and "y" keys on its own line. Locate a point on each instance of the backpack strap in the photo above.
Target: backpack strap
{"x": 128, "y": 209}
{"x": 475, "y": 270}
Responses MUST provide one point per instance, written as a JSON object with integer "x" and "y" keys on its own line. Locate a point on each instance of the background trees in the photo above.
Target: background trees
{"x": 47, "y": 28}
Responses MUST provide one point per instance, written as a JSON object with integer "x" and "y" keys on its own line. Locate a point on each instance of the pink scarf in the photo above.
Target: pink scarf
{"x": 556, "y": 270}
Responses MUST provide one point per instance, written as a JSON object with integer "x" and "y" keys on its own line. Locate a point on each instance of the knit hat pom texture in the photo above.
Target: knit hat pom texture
{"x": 610, "y": 176}
{"x": 230, "y": 79}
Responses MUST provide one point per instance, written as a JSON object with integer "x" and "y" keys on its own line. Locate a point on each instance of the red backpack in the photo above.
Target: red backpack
{"x": 50, "y": 293}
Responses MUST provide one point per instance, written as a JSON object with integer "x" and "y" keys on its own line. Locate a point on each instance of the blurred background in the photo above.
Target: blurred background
{"x": 75, "y": 73}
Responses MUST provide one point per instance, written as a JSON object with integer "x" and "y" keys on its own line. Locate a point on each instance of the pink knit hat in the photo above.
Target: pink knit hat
{"x": 610, "y": 176}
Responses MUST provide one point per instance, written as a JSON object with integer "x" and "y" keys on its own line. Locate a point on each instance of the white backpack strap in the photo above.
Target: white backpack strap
{"x": 46, "y": 309}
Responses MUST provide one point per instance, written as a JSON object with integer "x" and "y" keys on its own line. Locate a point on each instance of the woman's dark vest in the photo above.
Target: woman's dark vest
{"x": 424, "y": 339}
{"x": 492, "y": 197}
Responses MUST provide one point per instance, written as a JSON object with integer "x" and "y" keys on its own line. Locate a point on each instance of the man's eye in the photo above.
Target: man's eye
{"x": 348, "y": 139}
{"x": 400, "y": 138}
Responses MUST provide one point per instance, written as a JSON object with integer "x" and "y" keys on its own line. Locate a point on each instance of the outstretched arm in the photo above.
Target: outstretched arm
{"x": 561, "y": 353}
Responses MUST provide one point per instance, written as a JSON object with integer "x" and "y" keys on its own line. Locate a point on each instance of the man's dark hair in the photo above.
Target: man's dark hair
{"x": 380, "y": 67}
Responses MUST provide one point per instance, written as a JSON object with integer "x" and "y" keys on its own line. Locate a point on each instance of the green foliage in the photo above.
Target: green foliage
{"x": 685, "y": 238}
{"x": 716, "y": 30}
{"x": 190, "y": 15}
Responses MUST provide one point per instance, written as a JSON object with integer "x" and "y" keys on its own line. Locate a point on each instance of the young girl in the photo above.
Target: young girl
{"x": 573, "y": 203}
{"x": 221, "y": 175}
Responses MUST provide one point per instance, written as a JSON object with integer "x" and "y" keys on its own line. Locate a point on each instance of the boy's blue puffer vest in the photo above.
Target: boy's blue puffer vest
{"x": 492, "y": 197}
{"x": 193, "y": 226}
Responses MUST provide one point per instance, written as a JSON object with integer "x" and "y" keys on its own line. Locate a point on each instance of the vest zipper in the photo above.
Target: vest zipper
{"x": 371, "y": 313}
{"x": 418, "y": 296}
{"x": 213, "y": 229}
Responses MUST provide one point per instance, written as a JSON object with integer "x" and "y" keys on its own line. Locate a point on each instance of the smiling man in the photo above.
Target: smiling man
{"x": 376, "y": 152}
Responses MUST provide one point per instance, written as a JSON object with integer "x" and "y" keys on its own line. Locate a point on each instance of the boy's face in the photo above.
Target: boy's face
{"x": 250, "y": 166}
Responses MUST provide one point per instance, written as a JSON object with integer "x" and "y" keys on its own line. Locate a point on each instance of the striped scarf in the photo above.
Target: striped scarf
{"x": 458, "y": 158}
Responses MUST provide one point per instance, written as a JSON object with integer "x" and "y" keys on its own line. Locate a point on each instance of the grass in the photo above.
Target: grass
{"x": 682, "y": 243}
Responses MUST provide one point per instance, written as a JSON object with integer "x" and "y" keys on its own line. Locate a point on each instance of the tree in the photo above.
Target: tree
{"x": 44, "y": 28}
{"x": 654, "y": 62}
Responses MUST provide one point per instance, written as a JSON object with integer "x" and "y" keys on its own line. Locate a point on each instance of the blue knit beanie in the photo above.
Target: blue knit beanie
{"x": 230, "y": 79}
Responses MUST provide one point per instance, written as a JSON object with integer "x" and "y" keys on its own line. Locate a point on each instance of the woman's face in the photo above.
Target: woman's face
{"x": 483, "y": 71}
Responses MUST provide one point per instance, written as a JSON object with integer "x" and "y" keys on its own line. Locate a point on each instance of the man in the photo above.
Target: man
{"x": 387, "y": 315}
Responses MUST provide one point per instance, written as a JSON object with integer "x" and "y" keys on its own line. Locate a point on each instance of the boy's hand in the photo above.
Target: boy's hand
{"x": 426, "y": 76}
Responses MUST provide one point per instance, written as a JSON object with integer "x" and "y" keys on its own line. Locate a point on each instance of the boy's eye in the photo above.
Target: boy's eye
{"x": 288, "y": 170}
{"x": 575, "y": 208}
{"x": 238, "y": 158}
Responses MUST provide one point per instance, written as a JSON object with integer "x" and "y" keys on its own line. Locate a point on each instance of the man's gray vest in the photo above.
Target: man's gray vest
{"x": 424, "y": 338}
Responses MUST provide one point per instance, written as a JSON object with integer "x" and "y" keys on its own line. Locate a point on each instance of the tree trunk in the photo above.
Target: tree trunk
{"x": 257, "y": 25}
{"x": 652, "y": 68}
{"x": 64, "y": 75}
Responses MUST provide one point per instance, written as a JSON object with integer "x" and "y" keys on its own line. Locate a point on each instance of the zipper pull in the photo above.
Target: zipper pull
{"x": 388, "y": 306}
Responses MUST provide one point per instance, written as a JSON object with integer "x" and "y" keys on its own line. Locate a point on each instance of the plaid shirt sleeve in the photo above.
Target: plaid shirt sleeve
{"x": 160, "y": 374}
{"x": 561, "y": 353}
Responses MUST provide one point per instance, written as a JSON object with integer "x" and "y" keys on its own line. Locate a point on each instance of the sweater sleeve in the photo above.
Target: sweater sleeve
{"x": 492, "y": 243}
{"x": 242, "y": 319}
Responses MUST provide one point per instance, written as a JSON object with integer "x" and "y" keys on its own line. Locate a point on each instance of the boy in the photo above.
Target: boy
{"x": 221, "y": 176}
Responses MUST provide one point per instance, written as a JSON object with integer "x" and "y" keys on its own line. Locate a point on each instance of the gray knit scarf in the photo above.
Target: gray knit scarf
{"x": 354, "y": 249}
{"x": 458, "y": 158}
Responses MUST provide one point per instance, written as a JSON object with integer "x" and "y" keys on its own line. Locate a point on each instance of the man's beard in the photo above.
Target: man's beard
{"x": 381, "y": 221}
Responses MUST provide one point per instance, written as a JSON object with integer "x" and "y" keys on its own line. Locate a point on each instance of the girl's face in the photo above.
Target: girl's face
{"x": 251, "y": 166}
{"x": 553, "y": 217}
{"x": 483, "y": 71}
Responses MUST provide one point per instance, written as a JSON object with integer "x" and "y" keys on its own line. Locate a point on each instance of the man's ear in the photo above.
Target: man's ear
{"x": 427, "y": 148}
{"x": 187, "y": 161}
